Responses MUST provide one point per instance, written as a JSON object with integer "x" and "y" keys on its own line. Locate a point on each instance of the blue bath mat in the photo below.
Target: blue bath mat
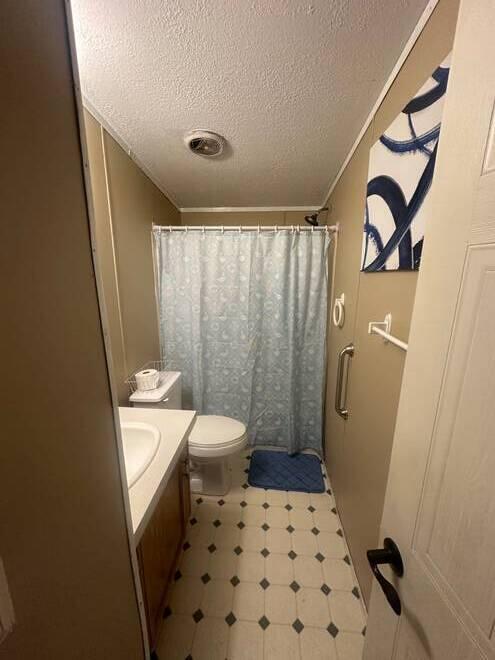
{"x": 279, "y": 471}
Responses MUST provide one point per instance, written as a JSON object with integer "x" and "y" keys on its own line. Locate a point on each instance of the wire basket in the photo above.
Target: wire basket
{"x": 159, "y": 365}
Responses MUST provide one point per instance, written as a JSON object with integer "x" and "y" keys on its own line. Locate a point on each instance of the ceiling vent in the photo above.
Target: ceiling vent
{"x": 205, "y": 143}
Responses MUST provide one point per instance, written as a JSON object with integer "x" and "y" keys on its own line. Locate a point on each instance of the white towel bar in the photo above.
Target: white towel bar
{"x": 383, "y": 328}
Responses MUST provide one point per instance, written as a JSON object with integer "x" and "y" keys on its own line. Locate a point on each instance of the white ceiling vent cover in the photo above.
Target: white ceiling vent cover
{"x": 205, "y": 143}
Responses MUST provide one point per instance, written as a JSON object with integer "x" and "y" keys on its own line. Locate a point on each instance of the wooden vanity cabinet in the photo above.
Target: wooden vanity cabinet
{"x": 161, "y": 542}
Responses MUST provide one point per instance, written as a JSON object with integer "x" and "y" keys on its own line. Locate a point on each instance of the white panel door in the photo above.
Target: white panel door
{"x": 440, "y": 502}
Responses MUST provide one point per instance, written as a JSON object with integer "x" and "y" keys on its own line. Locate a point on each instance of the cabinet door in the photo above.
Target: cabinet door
{"x": 158, "y": 549}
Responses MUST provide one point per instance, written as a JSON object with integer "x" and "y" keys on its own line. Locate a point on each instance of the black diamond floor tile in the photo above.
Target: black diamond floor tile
{"x": 238, "y": 550}
{"x": 319, "y": 557}
{"x": 294, "y": 586}
{"x": 235, "y": 581}
{"x": 298, "y": 626}
{"x": 198, "y": 615}
{"x": 212, "y": 547}
{"x": 230, "y": 619}
{"x": 265, "y": 552}
{"x": 264, "y": 623}
{"x": 292, "y": 554}
{"x": 326, "y": 589}
{"x": 333, "y": 630}
{"x": 205, "y": 578}
{"x": 264, "y": 584}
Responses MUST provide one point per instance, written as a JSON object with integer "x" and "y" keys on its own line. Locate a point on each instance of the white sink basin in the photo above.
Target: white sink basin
{"x": 140, "y": 441}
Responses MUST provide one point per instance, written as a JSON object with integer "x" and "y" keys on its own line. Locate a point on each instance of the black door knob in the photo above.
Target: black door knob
{"x": 389, "y": 554}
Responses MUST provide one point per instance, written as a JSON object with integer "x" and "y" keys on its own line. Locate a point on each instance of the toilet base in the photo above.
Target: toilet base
{"x": 210, "y": 477}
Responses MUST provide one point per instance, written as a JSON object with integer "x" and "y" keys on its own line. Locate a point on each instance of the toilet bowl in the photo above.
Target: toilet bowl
{"x": 213, "y": 441}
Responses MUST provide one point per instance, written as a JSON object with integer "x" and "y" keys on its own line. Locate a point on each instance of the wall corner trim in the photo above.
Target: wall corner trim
{"x": 415, "y": 34}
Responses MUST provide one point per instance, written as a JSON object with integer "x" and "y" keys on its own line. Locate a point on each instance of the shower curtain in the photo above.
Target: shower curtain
{"x": 243, "y": 316}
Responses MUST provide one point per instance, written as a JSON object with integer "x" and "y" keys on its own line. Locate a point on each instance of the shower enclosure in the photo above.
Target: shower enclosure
{"x": 242, "y": 315}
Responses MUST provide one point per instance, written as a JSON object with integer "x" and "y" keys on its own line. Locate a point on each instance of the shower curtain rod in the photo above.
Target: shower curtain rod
{"x": 222, "y": 228}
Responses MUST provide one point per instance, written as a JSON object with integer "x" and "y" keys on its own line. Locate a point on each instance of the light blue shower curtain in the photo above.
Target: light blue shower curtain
{"x": 243, "y": 317}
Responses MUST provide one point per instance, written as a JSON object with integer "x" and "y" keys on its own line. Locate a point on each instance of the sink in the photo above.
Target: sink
{"x": 140, "y": 441}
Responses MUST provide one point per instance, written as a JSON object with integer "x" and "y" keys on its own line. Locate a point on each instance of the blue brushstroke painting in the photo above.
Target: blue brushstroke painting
{"x": 401, "y": 169}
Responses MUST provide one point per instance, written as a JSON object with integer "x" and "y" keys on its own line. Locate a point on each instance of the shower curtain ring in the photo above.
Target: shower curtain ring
{"x": 259, "y": 229}
{"x": 276, "y": 228}
{"x": 223, "y": 229}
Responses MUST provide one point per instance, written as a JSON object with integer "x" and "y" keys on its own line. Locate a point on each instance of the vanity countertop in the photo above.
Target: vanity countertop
{"x": 174, "y": 426}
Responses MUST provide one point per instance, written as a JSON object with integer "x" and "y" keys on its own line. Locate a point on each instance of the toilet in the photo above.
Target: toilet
{"x": 214, "y": 440}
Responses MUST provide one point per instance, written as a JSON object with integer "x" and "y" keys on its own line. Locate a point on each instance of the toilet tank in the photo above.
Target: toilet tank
{"x": 168, "y": 394}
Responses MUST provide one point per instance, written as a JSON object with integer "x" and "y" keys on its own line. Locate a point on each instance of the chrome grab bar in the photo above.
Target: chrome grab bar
{"x": 339, "y": 409}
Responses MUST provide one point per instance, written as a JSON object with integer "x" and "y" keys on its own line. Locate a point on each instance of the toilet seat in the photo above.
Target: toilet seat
{"x": 216, "y": 436}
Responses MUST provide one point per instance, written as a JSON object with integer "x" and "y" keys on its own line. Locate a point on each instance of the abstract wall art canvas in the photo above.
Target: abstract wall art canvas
{"x": 400, "y": 173}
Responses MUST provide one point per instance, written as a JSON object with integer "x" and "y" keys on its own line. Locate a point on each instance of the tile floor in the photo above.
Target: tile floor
{"x": 263, "y": 574}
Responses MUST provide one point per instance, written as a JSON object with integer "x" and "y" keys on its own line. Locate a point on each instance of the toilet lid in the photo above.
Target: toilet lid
{"x": 215, "y": 430}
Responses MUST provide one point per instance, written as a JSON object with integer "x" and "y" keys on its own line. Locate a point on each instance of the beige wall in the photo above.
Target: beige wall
{"x": 126, "y": 204}
{"x": 358, "y": 451}
{"x": 63, "y": 537}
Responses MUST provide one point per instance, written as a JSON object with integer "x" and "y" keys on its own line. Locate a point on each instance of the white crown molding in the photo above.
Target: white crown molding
{"x": 418, "y": 29}
{"x": 111, "y": 131}
{"x": 247, "y": 209}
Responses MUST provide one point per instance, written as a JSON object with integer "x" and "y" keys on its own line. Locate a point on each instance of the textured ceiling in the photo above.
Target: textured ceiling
{"x": 289, "y": 84}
